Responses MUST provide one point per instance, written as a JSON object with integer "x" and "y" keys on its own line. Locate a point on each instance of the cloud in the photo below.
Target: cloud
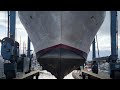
{"x": 20, "y": 30}
{"x": 105, "y": 28}
{"x": 102, "y": 53}
{"x": 3, "y": 31}
{"x": 103, "y": 34}
{"x": 3, "y": 14}
{"x": 104, "y": 42}
{"x": 4, "y": 20}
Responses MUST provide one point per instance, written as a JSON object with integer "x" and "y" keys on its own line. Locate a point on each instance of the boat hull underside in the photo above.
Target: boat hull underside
{"x": 51, "y": 31}
{"x": 60, "y": 60}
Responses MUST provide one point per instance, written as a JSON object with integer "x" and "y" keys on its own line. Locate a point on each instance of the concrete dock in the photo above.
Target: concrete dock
{"x": 100, "y": 75}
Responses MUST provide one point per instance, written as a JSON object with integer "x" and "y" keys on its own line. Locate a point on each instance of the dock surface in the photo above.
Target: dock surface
{"x": 31, "y": 74}
{"x": 100, "y": 75}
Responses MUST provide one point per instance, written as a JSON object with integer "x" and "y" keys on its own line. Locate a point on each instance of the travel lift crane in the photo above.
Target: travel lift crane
{"x": 93, "y": 49}
{"x": 29, "y": 55}
{"x": 114, "y": 66}
{"x": 10, "y": 51}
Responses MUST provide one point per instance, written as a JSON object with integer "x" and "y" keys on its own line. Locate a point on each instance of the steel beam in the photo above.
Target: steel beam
{"x": 114, "y": 35}
{"x": 28, "y": 50}
{"x": 12, "y": 24}
{"x": 93, "y": 50}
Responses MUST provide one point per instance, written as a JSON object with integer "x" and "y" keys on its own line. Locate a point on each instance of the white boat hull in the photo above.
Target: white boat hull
{"x": 61, "y": 32}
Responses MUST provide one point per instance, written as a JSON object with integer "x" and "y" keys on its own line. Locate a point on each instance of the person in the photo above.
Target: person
{"x": 95, "y": 67}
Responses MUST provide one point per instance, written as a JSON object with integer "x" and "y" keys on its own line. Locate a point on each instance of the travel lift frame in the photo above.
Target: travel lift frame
{"x": 114, "y": 66}
{"x": 10, "y": 48}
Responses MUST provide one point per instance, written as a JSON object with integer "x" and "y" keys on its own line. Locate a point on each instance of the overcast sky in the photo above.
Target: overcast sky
{"x": 103, "y": 34}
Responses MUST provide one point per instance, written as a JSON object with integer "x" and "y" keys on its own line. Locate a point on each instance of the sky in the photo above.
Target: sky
{"x": 21, "y": 34}
{"x": 103, "y": 35}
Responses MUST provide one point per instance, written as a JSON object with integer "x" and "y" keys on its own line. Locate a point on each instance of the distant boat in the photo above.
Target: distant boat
{"x": 61, "y": 39}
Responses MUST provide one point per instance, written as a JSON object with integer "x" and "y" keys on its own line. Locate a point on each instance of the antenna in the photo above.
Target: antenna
{"x": 23, "y": 47}
{"x": 8, "y": 23}
{"x": 20, "y": 44}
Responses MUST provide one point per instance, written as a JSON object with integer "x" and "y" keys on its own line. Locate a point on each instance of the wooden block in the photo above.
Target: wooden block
{"x": 31, "y": 74}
